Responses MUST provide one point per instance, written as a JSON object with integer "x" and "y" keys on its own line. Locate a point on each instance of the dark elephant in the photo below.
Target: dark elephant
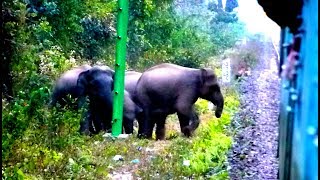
{"x": 168, "y": 88}
{"x": 97, "y": 84}
{"x": 67, "y": 85}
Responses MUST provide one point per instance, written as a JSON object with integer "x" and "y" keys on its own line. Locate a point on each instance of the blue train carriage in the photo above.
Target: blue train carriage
{"x": 304, "y": 102}
{"x": 298, "y": 121}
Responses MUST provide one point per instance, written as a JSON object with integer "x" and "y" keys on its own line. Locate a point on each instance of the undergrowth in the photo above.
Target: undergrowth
{"x": 53, "y": 148}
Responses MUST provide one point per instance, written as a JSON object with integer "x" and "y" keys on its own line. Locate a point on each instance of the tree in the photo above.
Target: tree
{"x": 230, "y": 5}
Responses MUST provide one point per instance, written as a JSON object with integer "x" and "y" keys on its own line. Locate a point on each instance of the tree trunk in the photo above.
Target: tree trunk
{"x": 6, "y": 55}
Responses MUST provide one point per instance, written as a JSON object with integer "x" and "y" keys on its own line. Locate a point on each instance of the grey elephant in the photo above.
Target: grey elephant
{"x": 130, "y": 112}
{"x": 168, "y": 88}
{"x": 131, "y": 79}
{"x": 67, "y": 85}
{"x": 97, "y": 84}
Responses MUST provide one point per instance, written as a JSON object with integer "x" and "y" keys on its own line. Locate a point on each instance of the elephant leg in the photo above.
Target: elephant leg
{"x": 140, "y": 118}
{"x": 127, "y": 125}
{"x": 146, "y": 125}
{"x": 194, "y": 121}
{"x": 85, "y": 124}
{"x": 107, "y": 123}
{"x": 97, "y": 122}
{"x": 184, "y": 122}
{"x": 149, "y": 128}
{"x": 84, "y": 127}
{"x": 184, "y": 118}
{"x": 160, "y": 129}
{"x": 91, "y": 128}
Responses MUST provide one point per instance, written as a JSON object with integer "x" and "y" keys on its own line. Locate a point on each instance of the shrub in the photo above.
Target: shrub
{"x": 245, "y": 56}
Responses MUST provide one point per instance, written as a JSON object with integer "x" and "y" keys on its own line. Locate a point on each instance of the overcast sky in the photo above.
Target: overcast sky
{"x": 252, "y": 14}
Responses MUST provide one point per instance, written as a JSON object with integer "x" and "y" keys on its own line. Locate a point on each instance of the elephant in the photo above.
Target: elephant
{"x": 97, "y": 84}
{"x": 67, "y": 85}
{"x": 168, "y": 88}
{"x": 131, "y": 79}
{"x": 130, "y": 112}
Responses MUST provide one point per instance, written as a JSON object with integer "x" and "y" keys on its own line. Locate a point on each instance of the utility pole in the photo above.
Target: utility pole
{"x": 118, "y": 98}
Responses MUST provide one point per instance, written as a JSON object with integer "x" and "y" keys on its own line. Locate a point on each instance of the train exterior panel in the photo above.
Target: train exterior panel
{"x": 298, "y": 135}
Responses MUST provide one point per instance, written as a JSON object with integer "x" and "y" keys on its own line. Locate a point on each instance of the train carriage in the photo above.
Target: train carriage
{"x": 298, "y": 121}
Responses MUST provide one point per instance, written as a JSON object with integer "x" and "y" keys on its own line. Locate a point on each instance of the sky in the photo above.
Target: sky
{"x": 252, "y": 14}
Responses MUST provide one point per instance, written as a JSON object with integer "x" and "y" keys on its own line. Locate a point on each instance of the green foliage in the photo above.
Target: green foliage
{"x": 13, "y": 123}
{"x": 202, "y": 106}
{"x": 69, "y": 14}
{"x": 50, "y": 37}
{"x": 101, "y": 9}
{"x": 95, "y": 38}
{"x": 161, "y": 35}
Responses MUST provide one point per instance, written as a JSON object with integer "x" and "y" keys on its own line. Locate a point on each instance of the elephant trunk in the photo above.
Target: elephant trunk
{"x": 219, "y": 102}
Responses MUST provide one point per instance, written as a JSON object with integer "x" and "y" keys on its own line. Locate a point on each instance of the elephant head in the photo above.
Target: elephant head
{"x": 96, "y": 82}
{"x": 210, "y": 90}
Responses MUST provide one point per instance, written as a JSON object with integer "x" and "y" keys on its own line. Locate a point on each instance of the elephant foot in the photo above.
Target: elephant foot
{"x": 160, "y": 138}
{"x": 187, "y": 131}
{"x": 142, "y": 136}
{"x": 86, "y": 132}
{"x": 145, "y": 137}
{"x": 160, "y": 134}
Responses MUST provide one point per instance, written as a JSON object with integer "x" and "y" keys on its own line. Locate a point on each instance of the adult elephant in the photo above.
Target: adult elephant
{"x": 67, "y": 85}
{"x": 168, "y": 88}
{"x": 97, "y": 84}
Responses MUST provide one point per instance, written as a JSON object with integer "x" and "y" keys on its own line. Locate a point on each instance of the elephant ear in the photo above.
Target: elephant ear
{"x": 112, "y": 73}
{"x": 209, "y": 78}
{"x": 83, "y": 80}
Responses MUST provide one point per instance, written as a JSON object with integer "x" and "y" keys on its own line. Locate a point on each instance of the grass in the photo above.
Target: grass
{"x": 58, "y": 151}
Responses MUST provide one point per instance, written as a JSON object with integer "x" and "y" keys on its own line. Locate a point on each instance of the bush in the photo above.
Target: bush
{"x": 245, "y": 56}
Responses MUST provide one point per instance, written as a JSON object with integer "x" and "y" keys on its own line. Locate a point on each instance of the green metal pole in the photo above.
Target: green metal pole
{"x": 122, "y": 26}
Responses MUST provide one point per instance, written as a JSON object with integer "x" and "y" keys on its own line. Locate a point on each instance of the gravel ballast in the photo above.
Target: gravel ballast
{"x": 253, "y": 155}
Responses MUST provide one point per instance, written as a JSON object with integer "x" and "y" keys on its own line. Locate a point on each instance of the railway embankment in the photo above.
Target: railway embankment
{"x": 254, "y": 151}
